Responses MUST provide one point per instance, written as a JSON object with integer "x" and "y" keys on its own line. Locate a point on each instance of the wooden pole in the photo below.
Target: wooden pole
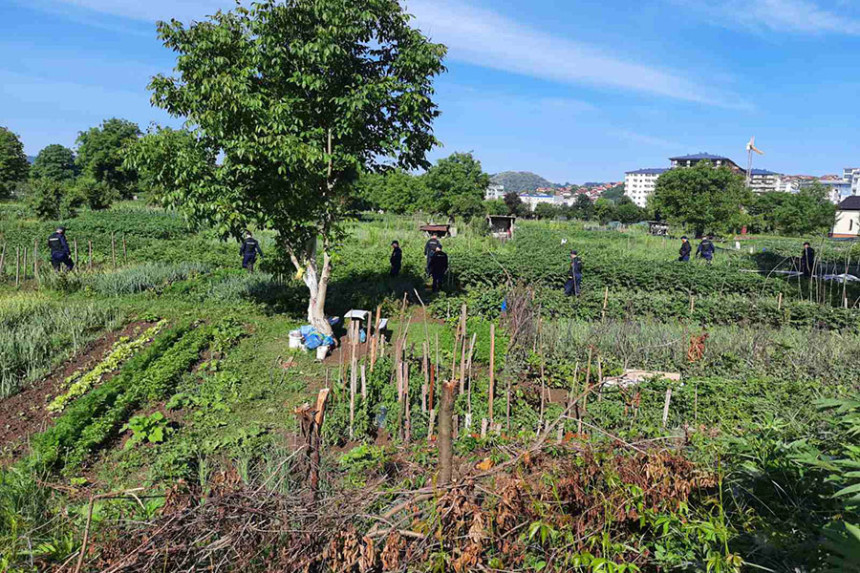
{"x": 779, "y": 302}
{"x": 36, "y": 259}
{"x": 407, "y": 403}
{"x": 431, "y": 393}
{"x": 363, "y": 385}
{"x": 605, "y": 303}
{"x": 425, "y": 365}
{"x": 113, "y": 248}
{"x": 353, "y": 382}
{"x": 446, "y": 431}
{"x": 492, "y": 369}
{"x": 90, "y": 261}
{"x": 585, "y": 397}
{"x": 666, "y": 405}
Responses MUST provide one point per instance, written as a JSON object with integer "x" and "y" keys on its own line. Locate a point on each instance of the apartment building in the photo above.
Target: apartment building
{"x": 763, "y": 181}
{"x": 640, "y": 184}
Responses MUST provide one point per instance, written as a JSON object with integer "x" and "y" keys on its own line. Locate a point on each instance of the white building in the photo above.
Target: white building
{"x": 763, "y": 181}
{"x": 494, "y": 191}
{"x": 535, "y": 199}
{"x": 640, "y": 184}
{"x": 847, "y": 223}
{"x": 852, "y": 175}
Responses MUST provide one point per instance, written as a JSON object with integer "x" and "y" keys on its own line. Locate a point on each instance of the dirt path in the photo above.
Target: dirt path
{"x": 24, "y": 414}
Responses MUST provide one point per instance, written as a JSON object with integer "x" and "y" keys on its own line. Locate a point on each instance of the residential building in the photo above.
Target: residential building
{"x": 763, "y": 181}
{"x": 852, "y": 175}
{"x": 535, "y": 199}
{"x": 494, "y": 191}
{"x": 717, "y": 160}
{"x": 640, "y": 184}
{"x": 837, "y": 187}
{"x": 847, "y": 223}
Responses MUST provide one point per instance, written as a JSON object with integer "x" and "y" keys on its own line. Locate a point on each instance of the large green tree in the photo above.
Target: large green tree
{"x": 55, "y": 162}
{"x": 582, "y": 208}
{"x": 101, "y": 151}
{"x": 396, "y": 191}
{"x": 704, "y": 198}
{"x": 288, "y": 102}
{"x": 805, "y": 212}
{"x": 13, "y": 162}
{"x": 456, "y": 185}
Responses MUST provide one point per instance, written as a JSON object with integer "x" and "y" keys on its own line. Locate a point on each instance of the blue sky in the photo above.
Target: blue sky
{"x": 575, "y": 90}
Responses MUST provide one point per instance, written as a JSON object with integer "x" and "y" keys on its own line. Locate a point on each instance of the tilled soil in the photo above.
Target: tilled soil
{"x": 24, "y": 414}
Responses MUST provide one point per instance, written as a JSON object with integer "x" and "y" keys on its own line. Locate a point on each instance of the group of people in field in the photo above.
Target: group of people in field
{"x": 436, "y": 258}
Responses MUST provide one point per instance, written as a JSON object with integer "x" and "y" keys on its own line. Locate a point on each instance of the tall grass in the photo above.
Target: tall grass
{"x": 142, "y": 277}
{"x": 37, "y": 334}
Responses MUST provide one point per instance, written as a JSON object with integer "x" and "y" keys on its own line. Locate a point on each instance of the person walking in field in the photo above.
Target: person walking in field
{"x": 706, "y": 249}
{"x": 60, "y": 252}
{"x": 807, "y": 260}
{"x": 430, "y": 249}
{"x": 396, "y": 259}
{"x": 438, "y": 267}
{"x": 685, "y": 251}
{"x": 248, "y": 251}
{"x": 573, "y": 286}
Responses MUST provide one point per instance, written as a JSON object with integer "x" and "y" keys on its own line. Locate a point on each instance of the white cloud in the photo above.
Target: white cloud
{"x": 485, "y": 38}
{"x": 646, "y": 140}
{"x": 795, "y": 16}
{"x": 488, "y": 39}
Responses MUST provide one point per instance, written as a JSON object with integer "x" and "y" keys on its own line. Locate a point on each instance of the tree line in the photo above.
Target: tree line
{"x": 62, "y": 180}
{"x": 705, "y": 199}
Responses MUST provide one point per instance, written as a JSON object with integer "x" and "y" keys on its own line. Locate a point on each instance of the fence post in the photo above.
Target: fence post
{"x": 446, "y": 423}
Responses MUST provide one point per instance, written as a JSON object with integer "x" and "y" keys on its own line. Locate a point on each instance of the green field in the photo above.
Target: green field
{"x": 161, "y": 374}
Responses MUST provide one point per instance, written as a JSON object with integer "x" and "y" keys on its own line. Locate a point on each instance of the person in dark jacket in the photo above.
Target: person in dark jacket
{"x": 60, "y": 252}
{"x": 574, "y": 282}
{"x": 706, "y": 249}
{"x": 685, "y": 251}
{"x": 430, "y": 249}
{"x": 248, "y": 251}
{"x": 396, "y": 259}
{"x": 807, "y": 260}
{"x": 438, "y": 267}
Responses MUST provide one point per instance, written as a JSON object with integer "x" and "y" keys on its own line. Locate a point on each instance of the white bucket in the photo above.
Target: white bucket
{"x": 322, "y": 352}
{"x": 296, "y": 339}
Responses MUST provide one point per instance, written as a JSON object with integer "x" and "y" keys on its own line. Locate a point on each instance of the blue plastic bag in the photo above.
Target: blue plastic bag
{"x": 307, "y": 329}
{"x": 328, "y": 341}
{"x": 313, "y": 340}
{"x": 362, "y": 336}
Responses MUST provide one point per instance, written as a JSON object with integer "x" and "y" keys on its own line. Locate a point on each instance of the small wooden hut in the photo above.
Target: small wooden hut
{"x": 502, "y": 226}
{"x": 438, "y": 230}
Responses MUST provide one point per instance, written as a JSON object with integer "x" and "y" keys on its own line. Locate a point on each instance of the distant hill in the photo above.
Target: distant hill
{"x": 520, "y": 181}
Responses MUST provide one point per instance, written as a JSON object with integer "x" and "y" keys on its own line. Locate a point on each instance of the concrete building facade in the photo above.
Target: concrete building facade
{"x": 640, "y": 184}
{"x": 847, "y": 225}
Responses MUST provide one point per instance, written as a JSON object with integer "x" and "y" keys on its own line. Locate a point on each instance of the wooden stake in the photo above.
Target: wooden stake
{"x": 353, "y": 380}
{"x": 666, "y": 405}
{"x": 90, "y": 263}
{"x": 363, "y": 385}
{"x": 779, "y": 302}
{"x": 492, "y": 369}
{"x": 585, "y": 397}
{"x": 446, "y": 432}
{"x": 425, "y": 365}
{"x": 113, "y": 248}
{"x": 430, "y": 425}
{"x": 692, "y": 304}
{"x": 605, "y": 303}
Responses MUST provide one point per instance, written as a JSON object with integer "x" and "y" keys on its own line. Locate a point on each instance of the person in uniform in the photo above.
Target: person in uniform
{"x": 430, "y": 249}
{"x": 573, "y": 286}
{"x": 685, "y": 251}
{"x": 396, "y": 258}
{"x": 248, "y": 251}
{"x": 706, "y": 249}
{"x": 807, "y": 260}
{"x": 438, "y": 267}
{"x": 60, "y": 252}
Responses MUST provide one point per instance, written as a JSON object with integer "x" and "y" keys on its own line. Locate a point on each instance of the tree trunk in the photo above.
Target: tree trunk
{"x": 317, "y": 282}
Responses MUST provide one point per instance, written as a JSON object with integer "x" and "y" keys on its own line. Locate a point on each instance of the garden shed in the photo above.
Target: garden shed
{"x": 658, "y": 228}
{"x": 502, "y": 226}
{"x": 847, "y": 225}
{"x": 438, "y": 230}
